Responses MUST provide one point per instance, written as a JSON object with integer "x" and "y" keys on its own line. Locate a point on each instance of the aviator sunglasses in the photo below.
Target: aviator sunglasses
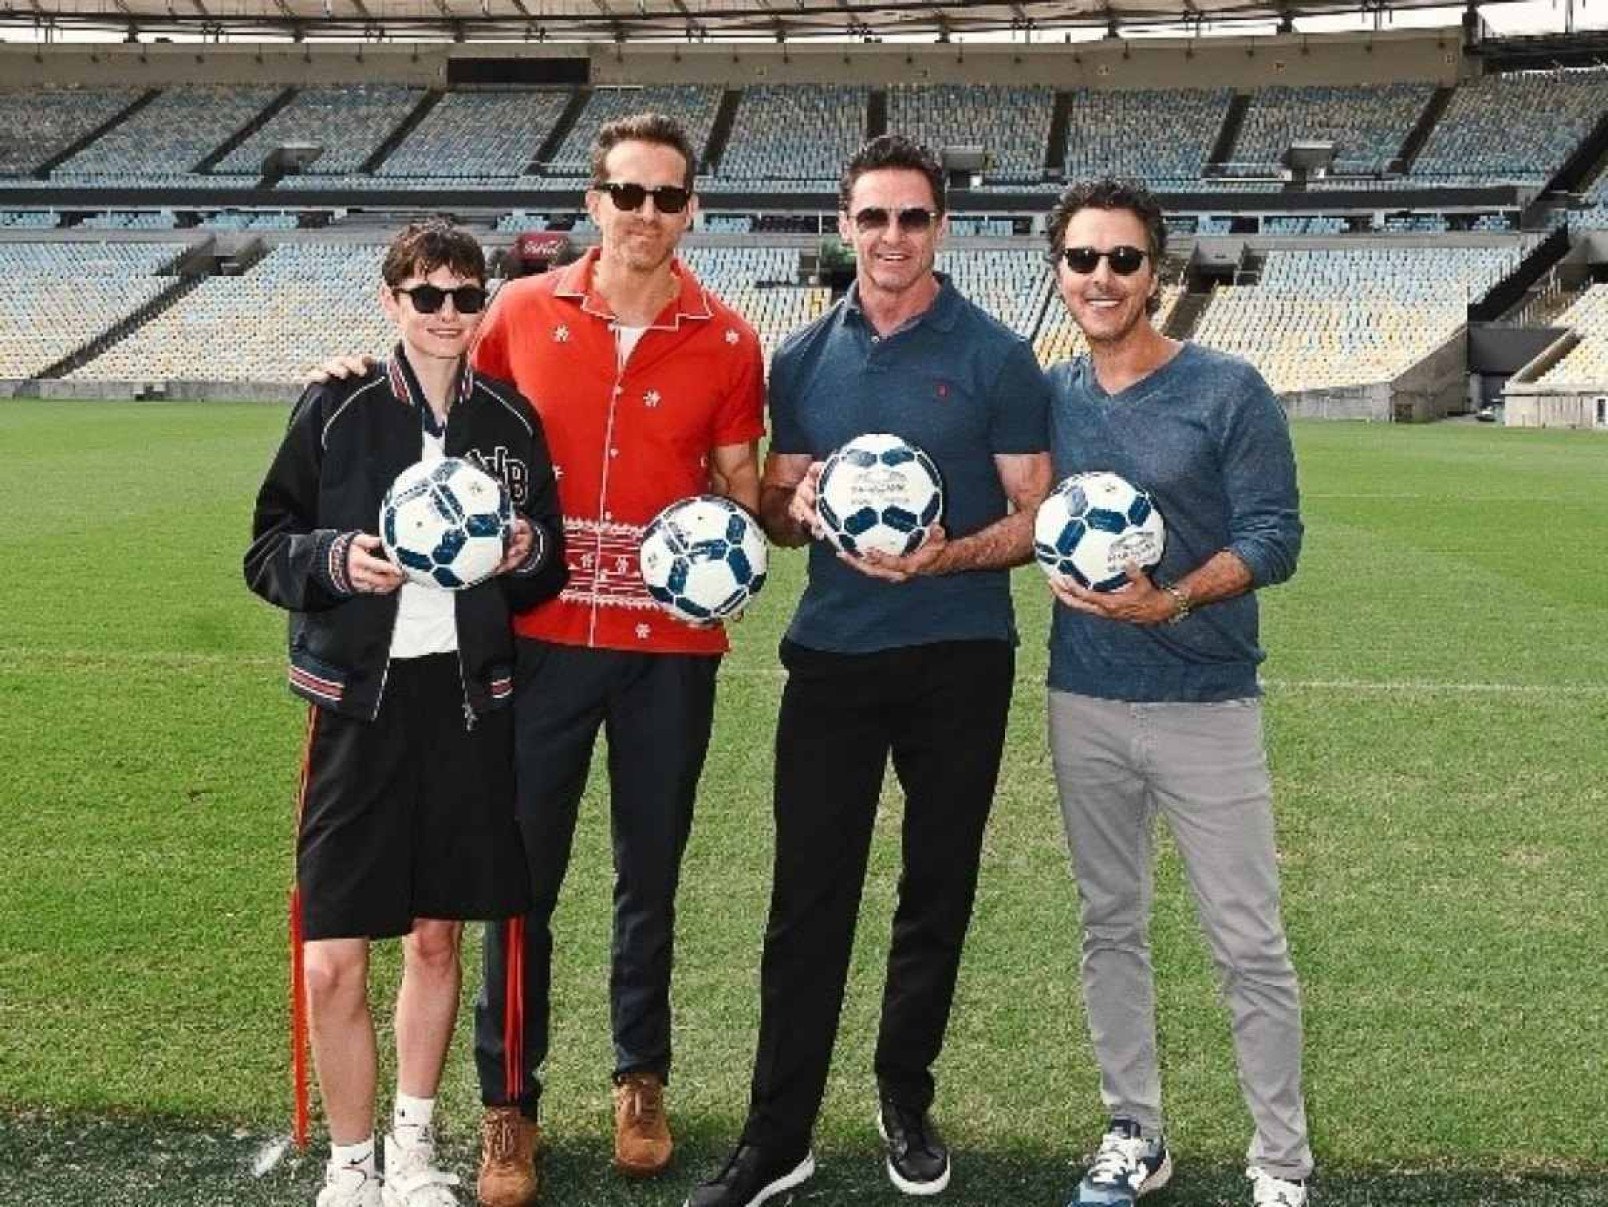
{"x": 1124, "y": 260}
{"x": 667, "y": 198}
{"x": 427, "y": 299}
{"x": 911, "y": 220}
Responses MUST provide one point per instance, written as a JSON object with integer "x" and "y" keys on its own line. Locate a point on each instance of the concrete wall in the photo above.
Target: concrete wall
{"x": 1243, "y": 63}
{"x": 175, "y": 391}
{"x": 1436, "y": 386}
{"x": 1555, "y": 410}
{"x": 1370, "y": 403}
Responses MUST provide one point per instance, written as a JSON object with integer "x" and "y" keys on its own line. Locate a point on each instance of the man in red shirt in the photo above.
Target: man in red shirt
{"x": 650, "y": 389}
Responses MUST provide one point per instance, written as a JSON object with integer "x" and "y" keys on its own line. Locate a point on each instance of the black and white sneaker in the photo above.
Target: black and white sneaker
{"x": 751, "y": 1176}
{"x": 1128, "y": 1165}
{"x": 918, "y": 1158}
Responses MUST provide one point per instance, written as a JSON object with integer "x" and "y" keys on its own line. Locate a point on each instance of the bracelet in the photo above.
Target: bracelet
{"x": 1183, "y": 604}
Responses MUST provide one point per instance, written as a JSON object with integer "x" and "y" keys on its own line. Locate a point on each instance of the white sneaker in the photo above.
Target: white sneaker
{"x": 1270, "y": 1191}
{"x": 347, "y": 1187}
{"x": 411, "y": 1176}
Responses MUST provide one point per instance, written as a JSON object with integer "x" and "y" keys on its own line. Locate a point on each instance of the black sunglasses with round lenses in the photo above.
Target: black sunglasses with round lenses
{"x": 427, "y": 299}
{"x": 667, "y": 198}
{"x": 1124, "y": 260}
{"x": 911, "y": 220}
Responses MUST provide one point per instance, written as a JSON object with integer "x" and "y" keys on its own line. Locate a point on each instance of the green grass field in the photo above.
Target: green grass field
{"x": 1437, "y": 711}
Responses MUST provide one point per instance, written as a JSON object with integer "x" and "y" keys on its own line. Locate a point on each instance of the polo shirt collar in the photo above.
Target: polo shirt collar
{"x": 405, "y": 388}
{"x": 942, "y": 315}
{"x": 691, "y": 302}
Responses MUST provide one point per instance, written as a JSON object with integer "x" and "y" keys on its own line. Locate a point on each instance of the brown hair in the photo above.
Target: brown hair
{"x": 422, "y": 247}
{"x": 656, "y": 128}
{"x": 892, "y": 151}
{"x": 1109, "y": 193}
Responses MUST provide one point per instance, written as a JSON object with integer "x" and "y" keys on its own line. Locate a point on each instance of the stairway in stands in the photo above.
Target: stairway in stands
{"x": 1428, "y": 119}
{"x": 268, "y": 113}
{"x": 1228, "y": 134}
{"x": 720, "y": 131}
{"x": 43, "y": 171}
{"x": 406, "y": 126}
{"x": 548, "y": 151}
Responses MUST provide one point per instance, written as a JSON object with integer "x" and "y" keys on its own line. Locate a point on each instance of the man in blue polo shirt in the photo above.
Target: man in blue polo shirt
{"x": 909, "y": 656}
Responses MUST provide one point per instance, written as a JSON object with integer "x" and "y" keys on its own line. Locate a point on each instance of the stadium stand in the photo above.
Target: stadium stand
{"x": 229, "y": 220}
{"x": 1586, "y": 364}
{"x": 482, "y": 136}
{"x": 59, "y": 296}
{"x": 113, "y": 220}
{"x": 801, "y": 133}
{"x": 1595, "y": 215}
{"x": 1514, "y": 128}
{"x": 1322, "y": 318}
{"x": 1012, "y": 285}
{"x": 275, "y": 323}
{"x": 164, "y": 141}
{"x": 762, "y": 284}
{"x": 348, "y": 122}
{"x": 519, "y": 220}
{"x": 694, "y": 108}
{"x": 39, "y": 123}
{"x": 1114, "y": 133}
{"x": 1367, "y": 125}
{"x": 1011, "y": 124}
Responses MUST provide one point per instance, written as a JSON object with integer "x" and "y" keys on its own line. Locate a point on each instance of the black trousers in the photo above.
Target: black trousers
{"x": 656, "y": 710}
{"x": 939, "y": 711}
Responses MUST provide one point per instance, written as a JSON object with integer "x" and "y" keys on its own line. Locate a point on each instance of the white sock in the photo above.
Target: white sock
{"x": 357, "y": 1157}
{"x": 410, "y": 1121}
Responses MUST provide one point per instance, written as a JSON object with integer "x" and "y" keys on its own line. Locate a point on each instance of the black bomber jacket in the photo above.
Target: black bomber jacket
{"x": 347, "y": 441}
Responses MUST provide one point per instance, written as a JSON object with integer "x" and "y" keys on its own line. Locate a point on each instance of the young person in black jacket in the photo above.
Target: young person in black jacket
{"x": 406, "y": 823}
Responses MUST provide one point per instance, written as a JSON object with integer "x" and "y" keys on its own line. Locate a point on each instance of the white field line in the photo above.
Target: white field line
{"x": 180, "y": 659}
{"x": 1435, "y": 687}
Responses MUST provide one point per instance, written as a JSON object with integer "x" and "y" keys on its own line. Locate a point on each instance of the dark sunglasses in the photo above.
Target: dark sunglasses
{"x": 667, "y": 198}
{"x": 427, "y": 299}
{"x": 1124, "y": 260}
{"x": 911, "y": 221}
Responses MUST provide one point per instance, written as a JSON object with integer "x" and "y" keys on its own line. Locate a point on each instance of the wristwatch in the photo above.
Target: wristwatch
{"x": 1180, "y": 597}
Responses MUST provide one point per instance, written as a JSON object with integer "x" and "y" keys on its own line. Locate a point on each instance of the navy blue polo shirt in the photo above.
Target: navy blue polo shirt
{"x": 953, "y": 381}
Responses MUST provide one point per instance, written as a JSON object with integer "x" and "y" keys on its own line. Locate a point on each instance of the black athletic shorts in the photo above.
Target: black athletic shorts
{"x": 410, "y": 815}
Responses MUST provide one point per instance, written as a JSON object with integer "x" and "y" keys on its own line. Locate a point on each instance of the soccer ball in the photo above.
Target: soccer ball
{"x": 879, "y": 492}
{"x": 703, "y": 558}
{"x": 446, "y": 523}
{"x": 1093, "y": 525}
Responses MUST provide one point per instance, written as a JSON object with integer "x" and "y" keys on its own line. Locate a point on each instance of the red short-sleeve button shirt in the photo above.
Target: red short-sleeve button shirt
{"x": 625, "y": 442}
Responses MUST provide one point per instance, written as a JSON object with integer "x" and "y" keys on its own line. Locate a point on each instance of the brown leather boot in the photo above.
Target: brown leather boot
{"x": 642, "y": 1144}
{"x": 509, "y": 1143}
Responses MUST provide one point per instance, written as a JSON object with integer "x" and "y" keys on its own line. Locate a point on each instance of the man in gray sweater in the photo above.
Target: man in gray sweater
{"x": 1154, "y": 704}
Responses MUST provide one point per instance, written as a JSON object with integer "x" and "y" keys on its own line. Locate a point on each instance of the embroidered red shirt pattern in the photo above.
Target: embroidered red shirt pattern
{"x": 625, "y": 442}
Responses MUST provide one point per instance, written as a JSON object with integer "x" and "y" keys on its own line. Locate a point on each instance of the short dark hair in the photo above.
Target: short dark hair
{"x": 892, "y": 151}
{"x": 657, "y": 128}
{"x": 1110, "y": 193}
{"x": 422, "y": 247}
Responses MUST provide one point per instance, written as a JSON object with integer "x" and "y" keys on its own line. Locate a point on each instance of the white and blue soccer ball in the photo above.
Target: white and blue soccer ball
{"x": 880, "y": 492}
{"x": 703, "y": 559}
{"x": 1093, "y": 525}
{"x": 446, "y": 523}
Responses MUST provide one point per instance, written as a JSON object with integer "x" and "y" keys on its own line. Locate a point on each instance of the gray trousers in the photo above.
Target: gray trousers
{"x": 1202, "y": 767}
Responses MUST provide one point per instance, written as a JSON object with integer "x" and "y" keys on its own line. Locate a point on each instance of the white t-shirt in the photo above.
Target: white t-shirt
{"x": 625, "y": 341}
{"x": 426, "y": 617}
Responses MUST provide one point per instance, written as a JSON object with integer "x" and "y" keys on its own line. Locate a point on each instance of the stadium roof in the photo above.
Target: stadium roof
{"x": 629, "y": 20}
